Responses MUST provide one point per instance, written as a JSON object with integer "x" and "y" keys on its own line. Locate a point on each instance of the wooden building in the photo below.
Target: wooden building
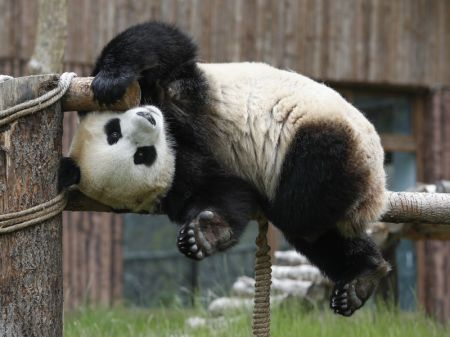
{"x": 364, "y": 48}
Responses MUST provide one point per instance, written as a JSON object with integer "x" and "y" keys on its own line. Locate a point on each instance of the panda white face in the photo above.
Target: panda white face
{"x": 125, "y": 159}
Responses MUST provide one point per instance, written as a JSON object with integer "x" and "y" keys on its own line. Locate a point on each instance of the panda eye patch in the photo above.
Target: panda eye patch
{"x": 113, "y": 131}
{"x": 145, "y": 155}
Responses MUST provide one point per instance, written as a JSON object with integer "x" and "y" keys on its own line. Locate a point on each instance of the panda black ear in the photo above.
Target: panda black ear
{"x": 68, "y": 173}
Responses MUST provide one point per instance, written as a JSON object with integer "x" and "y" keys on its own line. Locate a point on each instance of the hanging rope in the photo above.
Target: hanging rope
{"x": 18, "y": 220}
{"x": 263, "y": 280}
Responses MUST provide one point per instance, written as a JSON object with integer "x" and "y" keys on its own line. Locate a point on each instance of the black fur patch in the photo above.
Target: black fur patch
{"x": 145, "y": 155}
{"x": 113, "y": 131}
{"x": 340, "y": 258}
{"x": 317, "y": 183}
{"x": 68, "y": 173}
{"x": 152, "y": 45}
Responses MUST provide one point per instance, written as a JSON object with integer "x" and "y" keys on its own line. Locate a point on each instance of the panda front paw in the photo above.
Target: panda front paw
{"x": 204, "y": 235}
{"x": 187, "y": 243}
{"x": 109, "y": 89}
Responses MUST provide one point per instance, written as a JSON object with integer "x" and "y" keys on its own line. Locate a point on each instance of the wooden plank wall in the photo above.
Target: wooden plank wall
{"x": 379, "y": 41}
{"x": 400, "y": 42}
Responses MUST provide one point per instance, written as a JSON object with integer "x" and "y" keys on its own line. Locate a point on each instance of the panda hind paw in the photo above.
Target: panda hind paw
{"x": 347, "y": 297}
{"x": 344, "y": 300}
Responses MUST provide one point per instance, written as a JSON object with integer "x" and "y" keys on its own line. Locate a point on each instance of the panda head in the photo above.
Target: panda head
{"x": 123, "y": 160}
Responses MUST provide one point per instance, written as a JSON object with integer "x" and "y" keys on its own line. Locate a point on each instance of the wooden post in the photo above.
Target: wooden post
{"x": 31, "y": 294}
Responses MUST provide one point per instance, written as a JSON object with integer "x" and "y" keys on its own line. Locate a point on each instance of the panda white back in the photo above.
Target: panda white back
{"x": 259, "y": 109}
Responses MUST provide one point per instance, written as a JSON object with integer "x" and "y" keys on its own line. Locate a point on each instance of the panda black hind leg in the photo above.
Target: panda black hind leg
{"x": 318, "y": 188}
{"x": 355, "y": 265}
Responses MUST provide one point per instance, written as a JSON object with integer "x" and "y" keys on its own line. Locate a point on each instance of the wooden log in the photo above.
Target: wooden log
{"x": 416, "y": 207}
{"x": 80, "y": 97}
{"x": 31, "y": 293}
{"x": 403, "y": 207}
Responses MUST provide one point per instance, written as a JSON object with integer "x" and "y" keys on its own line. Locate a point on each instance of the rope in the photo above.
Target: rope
{"x": 27, "y": 108}
{"x": 263, "y": 270}
{"x": 18, "y": 220}
{"x": 12, "y": 222}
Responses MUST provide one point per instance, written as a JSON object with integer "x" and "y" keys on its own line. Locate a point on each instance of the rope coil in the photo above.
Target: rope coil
{"x": 15, "y": 221}
{"x": 263, "y": 280}
{"x": 39, "y": 103}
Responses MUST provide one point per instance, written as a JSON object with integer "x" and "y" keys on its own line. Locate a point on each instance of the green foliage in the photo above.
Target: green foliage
{"x": 287, "y": 320}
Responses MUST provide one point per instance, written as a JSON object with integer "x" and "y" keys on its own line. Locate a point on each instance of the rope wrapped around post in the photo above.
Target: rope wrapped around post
{"x": 263, "y": 280}
{"x": 11, "y": 222}
{"x": 80, "y": 98}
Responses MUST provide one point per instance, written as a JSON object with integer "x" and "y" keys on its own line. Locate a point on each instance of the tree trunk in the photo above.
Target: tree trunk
{"x": 51, "y": 38}
{"x": 30, "y": 259}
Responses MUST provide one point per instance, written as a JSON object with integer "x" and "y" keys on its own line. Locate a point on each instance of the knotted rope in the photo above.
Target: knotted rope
{"x": 39, "y": 103}
{"x": 263, "y": 280}
{"x": 18, "y": 220}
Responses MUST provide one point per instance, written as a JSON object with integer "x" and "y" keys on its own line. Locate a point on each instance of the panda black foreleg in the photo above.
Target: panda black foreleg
{"x": 216, "y": 217}
{"x": 150, "y": 52}
{"x": 354, "y": 264}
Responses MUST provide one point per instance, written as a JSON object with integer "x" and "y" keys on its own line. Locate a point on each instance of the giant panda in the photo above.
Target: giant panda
{"x": 248, "y": 139}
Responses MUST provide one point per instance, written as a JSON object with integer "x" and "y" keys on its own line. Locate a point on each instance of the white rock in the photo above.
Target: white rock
{"x": 244, "y": 286}
{"x": 290, "y": 258}
{"x": 291, "y": 287}
{"x": 301, "y": 272}
{"x": 224, "y": 304}
{"x": 196, "y": 322}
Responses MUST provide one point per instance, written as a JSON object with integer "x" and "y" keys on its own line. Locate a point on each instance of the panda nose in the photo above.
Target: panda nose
{"x": 147, "y": 115}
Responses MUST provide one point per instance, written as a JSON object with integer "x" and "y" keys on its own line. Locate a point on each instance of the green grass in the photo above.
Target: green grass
{"x": 288, "y": 320}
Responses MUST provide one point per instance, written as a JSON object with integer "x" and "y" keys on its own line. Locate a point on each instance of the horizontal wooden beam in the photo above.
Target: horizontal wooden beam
{"x": 418, "y": 207}
{"x": 403, "y": 207}
{"x": 80, "y": 202}
{"x": 80, "y": 97}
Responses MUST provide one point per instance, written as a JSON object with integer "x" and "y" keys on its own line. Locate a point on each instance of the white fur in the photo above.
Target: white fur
{"x": 257, "y": 112}
{"x": 108, "y": 172}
